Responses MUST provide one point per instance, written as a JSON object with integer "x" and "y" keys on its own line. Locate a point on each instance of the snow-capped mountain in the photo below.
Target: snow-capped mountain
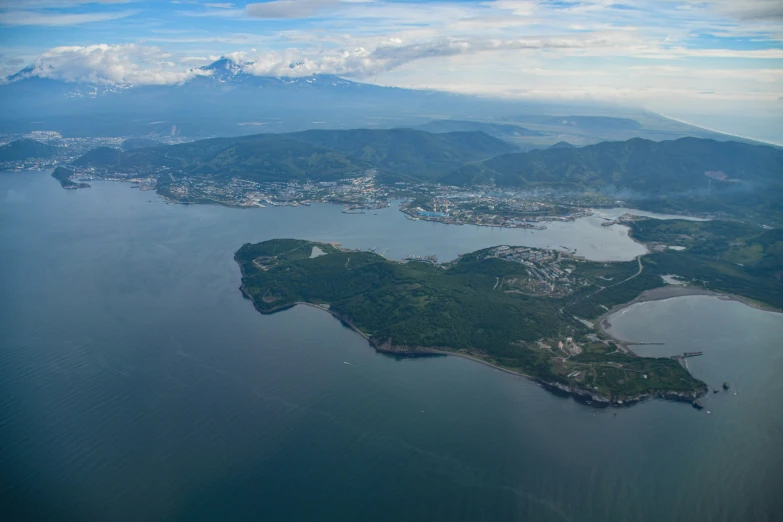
{"x": 226, "y": 98}
{"x": 222, "y": 98}
{"x": 226, "y": 69}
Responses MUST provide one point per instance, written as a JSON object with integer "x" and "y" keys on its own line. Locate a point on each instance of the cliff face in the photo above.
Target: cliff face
{"x": 584, "y": 394}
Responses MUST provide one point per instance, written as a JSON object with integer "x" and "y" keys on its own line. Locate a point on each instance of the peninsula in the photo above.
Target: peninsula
{"x": 509, "y": 307}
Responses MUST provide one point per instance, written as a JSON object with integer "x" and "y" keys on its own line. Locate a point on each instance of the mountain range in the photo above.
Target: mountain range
{"x": 399, "y": 154}
{"x": 685, "y": 174}
{"x": 226, "y": 99}
{"x": 688, "y": 173}
{"x": 23, "y": 149}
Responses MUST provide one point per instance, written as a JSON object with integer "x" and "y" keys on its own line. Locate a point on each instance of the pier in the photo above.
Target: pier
{"x": 681, "y": 358}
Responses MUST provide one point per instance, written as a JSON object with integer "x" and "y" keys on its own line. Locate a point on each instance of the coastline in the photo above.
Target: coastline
{"x": 582, "y": 395}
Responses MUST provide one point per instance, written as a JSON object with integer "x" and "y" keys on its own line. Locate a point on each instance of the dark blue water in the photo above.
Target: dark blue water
{"x": 137, "y": 384}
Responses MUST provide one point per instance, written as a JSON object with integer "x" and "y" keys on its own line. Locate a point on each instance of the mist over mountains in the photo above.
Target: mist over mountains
{"x": 225, "y": 99}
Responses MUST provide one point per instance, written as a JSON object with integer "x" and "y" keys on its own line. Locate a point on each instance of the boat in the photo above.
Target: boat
{"x": 726, "y": 385}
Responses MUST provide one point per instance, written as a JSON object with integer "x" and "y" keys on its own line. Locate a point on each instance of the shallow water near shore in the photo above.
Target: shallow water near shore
{"x": 136, "y": 383}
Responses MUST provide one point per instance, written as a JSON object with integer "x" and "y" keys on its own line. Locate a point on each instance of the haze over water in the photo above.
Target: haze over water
{"x": 137, "y": 384}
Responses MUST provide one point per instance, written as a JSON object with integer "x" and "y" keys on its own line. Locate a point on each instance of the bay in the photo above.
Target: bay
{"x": 137, "y": 384}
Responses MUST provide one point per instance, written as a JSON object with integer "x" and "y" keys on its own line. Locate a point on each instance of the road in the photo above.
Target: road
{"x": 641, "y": 268}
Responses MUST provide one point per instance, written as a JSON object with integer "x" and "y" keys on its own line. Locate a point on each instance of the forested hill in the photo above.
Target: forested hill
{"x": 685, "y": 174}
{"x": 503, "y": 131}
{"x": 477, "y": 306}
{"x": 637, "y": 164}
{"x": 688, "y": 174}
{"x": 399, "y": 154}
{"x": 23, "y": 149}
{"x": 408, "y": 153}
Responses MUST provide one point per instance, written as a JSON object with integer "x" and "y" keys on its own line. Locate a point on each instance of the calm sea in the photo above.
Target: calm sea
{"x": 136, "y": 384}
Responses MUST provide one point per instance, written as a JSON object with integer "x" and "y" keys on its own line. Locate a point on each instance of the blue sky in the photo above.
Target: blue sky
{"x": 716, "y": 61}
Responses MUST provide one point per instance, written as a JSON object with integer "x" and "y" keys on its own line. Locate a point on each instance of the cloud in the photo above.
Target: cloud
{"x": 56, "y": 4}
{"x": 224, "y": 5}
{"x": 110, "y": 64}
{"x": 363, "y": 62}
{"x": 761, "y": 10}
{"x": 290, "y": 8}
{"x": 55, "y": 19}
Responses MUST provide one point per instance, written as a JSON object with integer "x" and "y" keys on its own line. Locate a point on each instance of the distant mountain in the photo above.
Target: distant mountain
{"x": 318, "y": 155}
{"x": 226, "y": 99}
{"x": 103, "y": 156}
{"x": 594, "y": 122}
{"x": 225, "y": 70}
{"x": 409, "y": 153}
{"x": 25, "y": 149}
{"x": 503, "y": 131}
{"x": 138, "y": 143}
{"x": 639, "y": 164}
{"x": 562, "y": 145}
{"x": 689, "y": 173}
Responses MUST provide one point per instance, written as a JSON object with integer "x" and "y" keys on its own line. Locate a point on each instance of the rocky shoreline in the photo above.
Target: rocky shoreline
{"x": 583, "y": 395}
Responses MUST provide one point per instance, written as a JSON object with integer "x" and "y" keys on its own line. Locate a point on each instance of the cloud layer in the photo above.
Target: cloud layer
{"x": 290, "y": 8}
{"x": 110, "y": 64}
{"x": 719, "y": 55}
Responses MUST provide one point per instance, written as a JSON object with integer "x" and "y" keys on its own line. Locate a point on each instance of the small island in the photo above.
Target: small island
{"x": 514, "y": 308}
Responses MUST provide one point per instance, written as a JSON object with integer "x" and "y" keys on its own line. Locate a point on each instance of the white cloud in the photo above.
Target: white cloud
{"x": 290, "y": 8}
{"x": 111, "y": 64}
{"x": 54, "y": 19}
{"x": 56, "y": 4}
{"x": 764, "y": 10}
{"x": 391, "y": 54}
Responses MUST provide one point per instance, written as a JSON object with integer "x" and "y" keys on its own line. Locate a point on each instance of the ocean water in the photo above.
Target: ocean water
{"x": 137, "y": 384}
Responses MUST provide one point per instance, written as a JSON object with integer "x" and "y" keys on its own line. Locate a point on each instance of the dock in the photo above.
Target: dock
{"x": 681, "y": 358}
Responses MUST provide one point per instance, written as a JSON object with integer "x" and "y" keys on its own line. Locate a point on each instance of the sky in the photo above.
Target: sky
{"x": 714, "y": 63}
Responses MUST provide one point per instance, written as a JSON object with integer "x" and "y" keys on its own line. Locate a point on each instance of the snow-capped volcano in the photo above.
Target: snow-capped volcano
{"x": 224, "y": 97}
{"x": 226, "y": 69}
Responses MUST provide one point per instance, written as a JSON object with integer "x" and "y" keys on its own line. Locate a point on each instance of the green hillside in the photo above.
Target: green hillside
{"x": 416, "y": 308}
{"x": 686, "y": 174}
{"x": 728, "y": 256}
{"x": 278, "y": 159}
{"x": 102, "y": 156}
{"x": 64, "y": 175}
{"x": 25, "y": 149}
{"x": 319, "y": 155}
{"x": 407, "y": 153}
{"x": 503, "y": 131}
